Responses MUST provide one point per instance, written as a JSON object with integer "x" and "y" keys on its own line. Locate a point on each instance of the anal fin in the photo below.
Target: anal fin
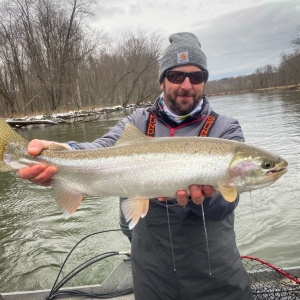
{"x": 67, "y": 199}
{"x": 134, "y": 209}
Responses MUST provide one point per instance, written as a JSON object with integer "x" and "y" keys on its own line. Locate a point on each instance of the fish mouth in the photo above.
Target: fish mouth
{"x": 277, "y": 172}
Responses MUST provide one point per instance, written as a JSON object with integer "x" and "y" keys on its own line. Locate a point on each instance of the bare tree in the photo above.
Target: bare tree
{"x": 296, "y": 42}
{"x": 56, "y": 44}
{"x": 140, "y": 54}
{"x": 12, "y": 66}
{"x": 290, "y": 67}
{"x": 44, "y": 42}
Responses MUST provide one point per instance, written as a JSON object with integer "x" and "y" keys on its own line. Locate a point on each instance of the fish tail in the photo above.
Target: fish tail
{"x": 7, "y": 136}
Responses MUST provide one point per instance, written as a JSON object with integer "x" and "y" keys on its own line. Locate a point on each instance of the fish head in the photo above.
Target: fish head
{"x": 253, "y": 168}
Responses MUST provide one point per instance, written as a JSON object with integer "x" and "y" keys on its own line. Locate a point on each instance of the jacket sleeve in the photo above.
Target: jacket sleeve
{"x": 230, "y": 129}
{"x": 215, "y": 208}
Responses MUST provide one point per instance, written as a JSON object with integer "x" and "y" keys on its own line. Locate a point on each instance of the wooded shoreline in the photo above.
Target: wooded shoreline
{"x": 96, "y": 114}
{"x": 281, "y": 88}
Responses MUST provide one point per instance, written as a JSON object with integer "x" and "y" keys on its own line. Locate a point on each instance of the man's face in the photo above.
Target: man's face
{"x": 182, "y": 98}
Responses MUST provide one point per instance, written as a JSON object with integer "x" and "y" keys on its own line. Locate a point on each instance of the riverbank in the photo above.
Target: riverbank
{"x": 84, "y": 115}
{"x": 88, "y": 115}
{"x": 293, "y": 87}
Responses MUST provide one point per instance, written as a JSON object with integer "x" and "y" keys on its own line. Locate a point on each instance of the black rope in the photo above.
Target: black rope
{"x": 54, "y": 293}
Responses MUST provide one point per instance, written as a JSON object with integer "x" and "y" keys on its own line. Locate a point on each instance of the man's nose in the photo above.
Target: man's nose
{"x": 186, "y": 85}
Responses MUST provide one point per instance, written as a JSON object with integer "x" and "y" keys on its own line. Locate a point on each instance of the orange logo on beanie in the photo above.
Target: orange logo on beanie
{"x": 183, "y": 57}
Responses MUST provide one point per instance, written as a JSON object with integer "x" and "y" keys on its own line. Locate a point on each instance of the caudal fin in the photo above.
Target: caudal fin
{"x": 8, "y": 135}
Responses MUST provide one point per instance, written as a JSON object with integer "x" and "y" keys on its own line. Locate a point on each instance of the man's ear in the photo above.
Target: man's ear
{"x": 162, "y": 86}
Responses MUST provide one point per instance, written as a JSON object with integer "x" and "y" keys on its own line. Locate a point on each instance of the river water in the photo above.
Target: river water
{"x": 35, "y": 238}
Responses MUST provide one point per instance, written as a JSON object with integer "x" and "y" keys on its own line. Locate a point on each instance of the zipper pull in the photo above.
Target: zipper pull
{"x": 172, "y": 132}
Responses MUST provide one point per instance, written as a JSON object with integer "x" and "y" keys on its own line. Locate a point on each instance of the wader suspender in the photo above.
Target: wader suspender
{"x": 151, "y": 125}
{"x": 204, "y": 131}
{"x": 210, "y": 121}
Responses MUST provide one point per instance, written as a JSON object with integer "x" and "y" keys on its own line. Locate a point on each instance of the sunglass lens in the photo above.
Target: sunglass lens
{"x": 176, "y": 77}
{"x": 197, "y": 77}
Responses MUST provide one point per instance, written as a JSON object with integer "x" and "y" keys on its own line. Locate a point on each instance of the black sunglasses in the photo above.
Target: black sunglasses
{"x": 178, "y": 77}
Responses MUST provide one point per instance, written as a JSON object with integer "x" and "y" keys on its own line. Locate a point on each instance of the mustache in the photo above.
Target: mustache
{"x": 184, "y": 93}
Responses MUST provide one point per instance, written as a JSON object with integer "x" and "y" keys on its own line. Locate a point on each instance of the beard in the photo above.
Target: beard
{"x": 184, "y": 106}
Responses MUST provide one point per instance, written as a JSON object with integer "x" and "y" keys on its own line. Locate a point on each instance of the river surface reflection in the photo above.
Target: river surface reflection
{"x": 35, "y": 238}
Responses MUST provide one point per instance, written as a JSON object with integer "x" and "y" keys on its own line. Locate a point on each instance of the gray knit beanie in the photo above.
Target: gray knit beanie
{"x": 185, "y": 49}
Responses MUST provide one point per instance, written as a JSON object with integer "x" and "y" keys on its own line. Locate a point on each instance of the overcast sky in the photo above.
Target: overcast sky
{"x": 237, "y": 36}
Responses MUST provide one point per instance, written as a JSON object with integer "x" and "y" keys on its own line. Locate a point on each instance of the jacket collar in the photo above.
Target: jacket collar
{"x": 160, "y": 114}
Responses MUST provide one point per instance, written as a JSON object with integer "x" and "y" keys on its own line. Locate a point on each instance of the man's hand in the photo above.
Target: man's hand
{"x": 197, "y": 193}
{"x": 39, "y": 174}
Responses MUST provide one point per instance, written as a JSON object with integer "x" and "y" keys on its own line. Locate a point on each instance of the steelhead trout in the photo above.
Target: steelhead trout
{"x": 140, "y": 168}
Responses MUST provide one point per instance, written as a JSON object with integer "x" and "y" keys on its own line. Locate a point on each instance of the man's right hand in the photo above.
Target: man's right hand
{"x": 39, "y": 174}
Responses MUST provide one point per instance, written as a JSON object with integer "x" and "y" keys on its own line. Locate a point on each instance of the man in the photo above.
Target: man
{"x": 175, "y": 254}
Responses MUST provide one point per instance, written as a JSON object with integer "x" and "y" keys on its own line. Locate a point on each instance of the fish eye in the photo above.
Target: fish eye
{"x": 267, "y": 164}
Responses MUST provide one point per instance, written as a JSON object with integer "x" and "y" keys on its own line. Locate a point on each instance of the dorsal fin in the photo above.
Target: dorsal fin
{"x": 130, "y": 133}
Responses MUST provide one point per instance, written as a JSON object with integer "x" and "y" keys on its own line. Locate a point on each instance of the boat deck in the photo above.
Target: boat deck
{"x": 266, "y": 284}
{"x": 119, "y": 279}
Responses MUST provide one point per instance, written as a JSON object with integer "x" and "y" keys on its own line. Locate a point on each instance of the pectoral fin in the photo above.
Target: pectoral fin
{"x": 68, "y": 200}
{"x": 229, "y": 193}
{"x": 134, "y": 209}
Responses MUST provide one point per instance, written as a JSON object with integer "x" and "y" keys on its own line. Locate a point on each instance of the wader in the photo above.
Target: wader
{"x": 189, "y": 274}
